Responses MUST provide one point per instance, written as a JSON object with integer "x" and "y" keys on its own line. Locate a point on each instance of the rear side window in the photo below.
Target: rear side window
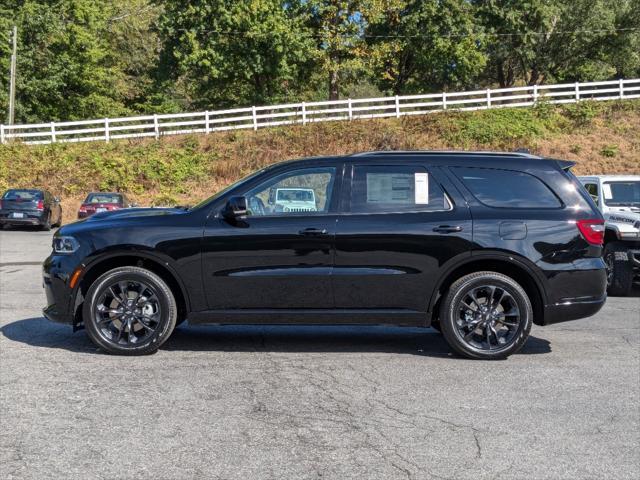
{"x": 507, "y": 188}
{"x": 395, "y": 188}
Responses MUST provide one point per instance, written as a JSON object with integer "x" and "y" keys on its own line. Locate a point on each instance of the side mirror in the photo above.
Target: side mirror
{"x": 235, "y": 209}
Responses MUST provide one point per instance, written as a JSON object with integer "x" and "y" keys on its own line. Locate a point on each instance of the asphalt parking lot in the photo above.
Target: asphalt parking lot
{"x": 303, "y": 402}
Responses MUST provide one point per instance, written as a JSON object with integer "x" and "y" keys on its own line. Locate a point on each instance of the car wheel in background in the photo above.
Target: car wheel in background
{"x": 619, "y": 269}
{"x": 486, "y": 315}
{"x": 46, "y": 226}
{"x": 129, "y": 311}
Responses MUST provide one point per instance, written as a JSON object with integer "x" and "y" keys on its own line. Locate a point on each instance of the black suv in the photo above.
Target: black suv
{"x": 477, "y": 245}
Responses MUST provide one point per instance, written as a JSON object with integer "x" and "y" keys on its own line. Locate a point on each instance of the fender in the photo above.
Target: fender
{"x": 502, "y": 255}
{"x": 154, "y": 256}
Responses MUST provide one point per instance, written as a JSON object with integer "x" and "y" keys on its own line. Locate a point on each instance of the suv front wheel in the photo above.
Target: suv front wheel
{"x": 129, "y": 311}
{"x": 486, "y": 315}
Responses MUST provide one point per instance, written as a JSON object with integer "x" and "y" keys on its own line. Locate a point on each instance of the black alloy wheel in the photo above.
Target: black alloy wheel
{"x": 129, "y": 311}
{"x": 486, "y": 315}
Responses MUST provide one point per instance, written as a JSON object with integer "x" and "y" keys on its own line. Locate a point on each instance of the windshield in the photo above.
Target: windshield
{"x": 22, "y": 195}
{"x": 103, "y": 198}
{"x": 225, "y": 190}
{"x": 622, "y": 193}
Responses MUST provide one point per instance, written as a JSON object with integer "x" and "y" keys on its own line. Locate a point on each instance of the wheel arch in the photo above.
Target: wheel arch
{"x": 157, "y": 265}
{"x": 501, "y": 262}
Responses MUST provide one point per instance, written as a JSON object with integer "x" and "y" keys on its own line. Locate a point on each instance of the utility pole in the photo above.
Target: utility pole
{"x": 12, "y": 80}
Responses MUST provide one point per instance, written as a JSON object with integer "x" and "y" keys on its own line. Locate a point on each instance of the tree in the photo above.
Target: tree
{"x": 75, "y": 59}
{"x": 541, "y": 40}
{"x": 233, "y": 53}
{"x": 420, "y": 45}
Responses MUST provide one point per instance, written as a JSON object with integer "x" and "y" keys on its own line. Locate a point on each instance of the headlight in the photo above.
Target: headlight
{"x": 65, "y": 244}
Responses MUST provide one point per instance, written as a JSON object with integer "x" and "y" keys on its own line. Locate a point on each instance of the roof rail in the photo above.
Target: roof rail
{"x": 443, "y": 152}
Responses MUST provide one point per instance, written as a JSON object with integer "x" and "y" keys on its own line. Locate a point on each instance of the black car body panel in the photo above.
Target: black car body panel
{"x": 341, "y": 265}
{"x": 23, "y": 207}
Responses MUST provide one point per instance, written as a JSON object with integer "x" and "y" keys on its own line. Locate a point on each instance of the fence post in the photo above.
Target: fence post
{"x": 444, "y": 100}
{"x": 577, "y": 91}
{"x": 106, "y": 130}
{"x": 397, "y": 106}
{"x": 207, "y": 128}
{"x": 304, "y": 113}
{"x": 621, "y": 89}
{"x": 488, "y": 98}
{"x": 255, "y": 118}
{"x": 53, "y": 132}
{"x": 350, "y": 110}
{"x": 156, "y": 126}
{"x": 535, "y": 93}
{"x": 2, "y": 134}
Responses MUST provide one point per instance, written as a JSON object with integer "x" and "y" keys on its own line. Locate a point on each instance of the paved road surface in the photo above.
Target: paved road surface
{"x": 303, "y": 403}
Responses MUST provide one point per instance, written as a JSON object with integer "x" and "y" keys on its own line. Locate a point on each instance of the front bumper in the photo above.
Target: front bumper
{"x": 56, "y": 272}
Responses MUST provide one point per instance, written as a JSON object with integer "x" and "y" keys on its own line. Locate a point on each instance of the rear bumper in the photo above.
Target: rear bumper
{"x": 572, "y": 310}
{"x": 31, "y": 218}
{"x": 575, "y": 294}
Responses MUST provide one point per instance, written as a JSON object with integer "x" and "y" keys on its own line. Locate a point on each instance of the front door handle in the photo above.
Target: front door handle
{"x": 313, "y": 232}
{"x": 448, "y": 228}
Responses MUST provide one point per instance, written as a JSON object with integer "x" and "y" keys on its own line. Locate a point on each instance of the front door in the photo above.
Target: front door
{"x": 400, "y": 231}
{"x": 281, "y": 256}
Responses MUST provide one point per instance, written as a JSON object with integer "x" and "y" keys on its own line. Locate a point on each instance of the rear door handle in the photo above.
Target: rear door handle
{"x": 448, "y": 228}
{"x": 313, "y": 232}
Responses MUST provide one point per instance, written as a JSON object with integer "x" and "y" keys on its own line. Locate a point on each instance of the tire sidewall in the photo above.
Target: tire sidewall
{"x": 165, "y": 298}
{"x": 462, "y": 287}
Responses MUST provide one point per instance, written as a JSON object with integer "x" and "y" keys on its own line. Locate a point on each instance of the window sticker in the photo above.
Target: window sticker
{"x": 606, "y": 189}
{"x": 388, "y": 188}
{"x": 421, "y": 181}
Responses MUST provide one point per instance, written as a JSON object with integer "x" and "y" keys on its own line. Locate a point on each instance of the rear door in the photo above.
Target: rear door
{"x": 404, "y": 222}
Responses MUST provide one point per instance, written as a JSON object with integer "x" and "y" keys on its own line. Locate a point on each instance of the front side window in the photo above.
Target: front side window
{"x": 592, "y": 189}
{"x": 395, "y": 188}
{"x": 299, "y": 192}
{"x": 621, "y": 194}
{"x": 506, "y": 188}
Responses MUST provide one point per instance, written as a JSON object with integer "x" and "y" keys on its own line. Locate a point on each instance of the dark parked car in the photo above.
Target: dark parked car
{"x": 20, "y": 207}
{"x": 97, "y": 202}
{"x": 479, "y": 245}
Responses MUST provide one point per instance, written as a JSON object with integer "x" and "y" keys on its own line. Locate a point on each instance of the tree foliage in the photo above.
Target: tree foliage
{"x": 92, "y": 58}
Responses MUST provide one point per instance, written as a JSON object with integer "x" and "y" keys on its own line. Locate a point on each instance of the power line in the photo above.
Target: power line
{"x": 423, "y": 35}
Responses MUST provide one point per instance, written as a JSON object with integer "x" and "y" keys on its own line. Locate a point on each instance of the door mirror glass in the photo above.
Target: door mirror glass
{"x": 235, "y": 209}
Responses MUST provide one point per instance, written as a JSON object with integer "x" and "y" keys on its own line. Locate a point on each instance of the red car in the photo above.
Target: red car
{"x": 102, "y": 202}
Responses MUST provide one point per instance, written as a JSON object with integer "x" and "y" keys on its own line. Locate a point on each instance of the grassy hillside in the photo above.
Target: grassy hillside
{"x": 600, "y": 137}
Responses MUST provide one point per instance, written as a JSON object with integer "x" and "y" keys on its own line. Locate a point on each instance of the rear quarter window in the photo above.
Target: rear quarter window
{"x": 500, "y": 188}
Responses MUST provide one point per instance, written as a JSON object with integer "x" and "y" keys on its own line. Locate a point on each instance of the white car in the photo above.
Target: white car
{"x": 618, "y": 198}
{"x": 295, "y": 200}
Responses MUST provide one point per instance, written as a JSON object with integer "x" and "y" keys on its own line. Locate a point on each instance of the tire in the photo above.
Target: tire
{"x": 115, "y": 299}
{"x": 503, "y": 297}
{"x": 619, "y": 269}
{"x": 58, "y": 224}
{"x": 46, "y": 226}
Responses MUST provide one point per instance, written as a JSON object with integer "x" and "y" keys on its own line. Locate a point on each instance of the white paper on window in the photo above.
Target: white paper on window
{"x": 606, "y": 189}
{"x": 422, "y": 188}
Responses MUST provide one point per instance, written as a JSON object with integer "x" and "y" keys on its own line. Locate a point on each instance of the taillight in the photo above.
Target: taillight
{"x": 592, "y": 231}
{"x": 40, "y": 205}
{"x": 83, "y": 209}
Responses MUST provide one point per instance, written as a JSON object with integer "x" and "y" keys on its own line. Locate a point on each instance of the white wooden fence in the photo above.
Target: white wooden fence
{"x": 302, "y": 113}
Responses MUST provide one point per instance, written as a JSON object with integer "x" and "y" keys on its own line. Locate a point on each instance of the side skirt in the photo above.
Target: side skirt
{"x": 400, "y": 317}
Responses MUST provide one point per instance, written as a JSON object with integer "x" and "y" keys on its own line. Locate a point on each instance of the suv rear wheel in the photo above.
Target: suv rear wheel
{"x": 619, "y": 269}
{"x": 129, "y": 311}
{"x": 486, "y": 315}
